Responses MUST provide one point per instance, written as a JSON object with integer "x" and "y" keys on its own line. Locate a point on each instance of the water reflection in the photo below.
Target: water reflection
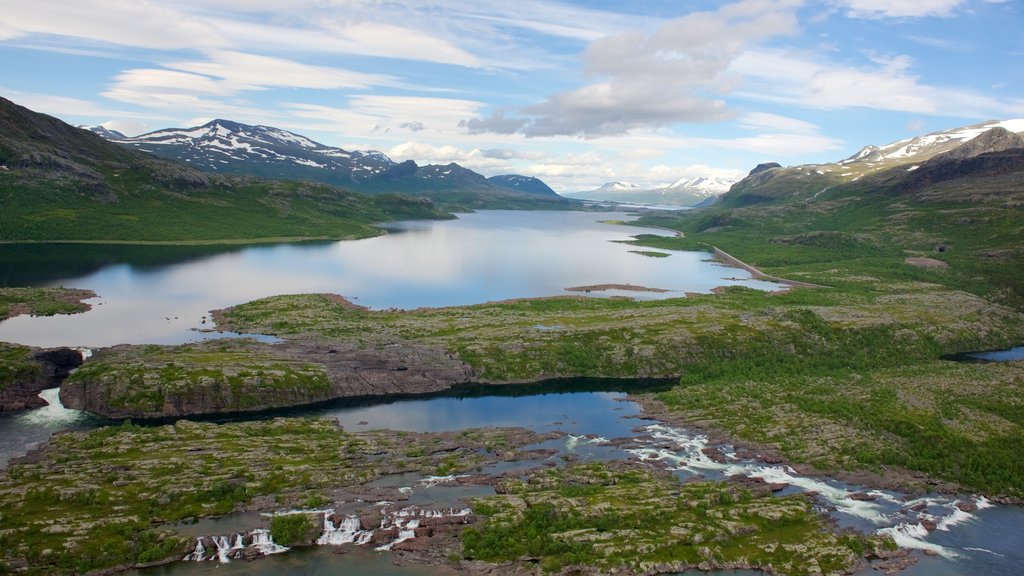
{"x": 493, "y": 255}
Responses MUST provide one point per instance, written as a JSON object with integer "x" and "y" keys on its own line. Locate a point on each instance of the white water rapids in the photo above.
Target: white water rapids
{"x": 900, "y": 518}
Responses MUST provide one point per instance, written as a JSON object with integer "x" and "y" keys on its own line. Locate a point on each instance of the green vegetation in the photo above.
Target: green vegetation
{"x": 651, "y": 253}
{"x": 42, "y": 301}
{"x": 218, "y": 375}
{"x": 615, "y": 516}
{"x": 107, "y": 498}
{"x": 294, "y": 529}
{"x": 17, "y": 365}
{"x": 793, "y": 370}
{"x": 228, "y": 209}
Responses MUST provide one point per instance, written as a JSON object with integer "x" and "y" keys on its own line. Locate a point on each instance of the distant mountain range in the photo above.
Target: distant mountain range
{"x": 226, "y": 147}
{"x": 682, "y": 192}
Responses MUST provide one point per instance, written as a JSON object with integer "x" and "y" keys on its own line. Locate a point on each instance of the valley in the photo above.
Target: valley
{"x": 815, "y": 424}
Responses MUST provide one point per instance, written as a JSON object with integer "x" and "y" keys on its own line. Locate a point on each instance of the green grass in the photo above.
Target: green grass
{"x": 230, "y": 209}
{"x": 17, "y": 365}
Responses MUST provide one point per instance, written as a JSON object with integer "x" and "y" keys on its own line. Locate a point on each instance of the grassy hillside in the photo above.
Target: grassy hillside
{"x": 58, "y": 182}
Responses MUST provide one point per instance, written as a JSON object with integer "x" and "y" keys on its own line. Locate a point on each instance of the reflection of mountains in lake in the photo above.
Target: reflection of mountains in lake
{"x": 41, "y": 264}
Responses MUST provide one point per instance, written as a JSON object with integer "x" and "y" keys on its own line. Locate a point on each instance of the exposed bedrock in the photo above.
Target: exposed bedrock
{"x": 226, "y": 376}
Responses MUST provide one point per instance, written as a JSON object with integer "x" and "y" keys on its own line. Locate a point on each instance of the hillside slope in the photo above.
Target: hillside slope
{"x": 59, "y": 182}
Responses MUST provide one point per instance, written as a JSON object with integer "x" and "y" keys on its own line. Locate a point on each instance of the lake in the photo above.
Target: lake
{"x": 161, "y": 294}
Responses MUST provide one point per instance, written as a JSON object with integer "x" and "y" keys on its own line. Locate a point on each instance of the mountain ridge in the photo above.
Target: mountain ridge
{"x": 682, "y": 192}
{"x": 229, "y": 147}
{"x": 984, "y": 150}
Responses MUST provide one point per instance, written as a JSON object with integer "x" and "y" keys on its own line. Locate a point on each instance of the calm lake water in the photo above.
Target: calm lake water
{"x": 159, "y": 295}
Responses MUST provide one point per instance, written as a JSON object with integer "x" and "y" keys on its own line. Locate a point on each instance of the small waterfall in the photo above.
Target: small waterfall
{"x": 348, "y": 532}
{"x": 264, "y": 542}
{"x": 232, "y": 547}
{"x": 197, "y": 555}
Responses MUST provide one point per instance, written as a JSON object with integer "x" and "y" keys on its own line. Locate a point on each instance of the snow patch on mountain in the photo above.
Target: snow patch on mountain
{"x": 923, "y": 147}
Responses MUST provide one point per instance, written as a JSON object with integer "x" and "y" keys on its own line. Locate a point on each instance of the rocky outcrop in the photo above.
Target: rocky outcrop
{"x": 764, "y": 167}
{"x": 30, "y": 371}
{"x": 245, "y": 376}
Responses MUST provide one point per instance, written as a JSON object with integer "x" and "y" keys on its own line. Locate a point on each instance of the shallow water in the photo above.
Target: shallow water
{"x": 986, "y": 542}
{"x": 1008, "y": 355}
{"x": 161, "y": 295}
{"x": 22, "y": 431}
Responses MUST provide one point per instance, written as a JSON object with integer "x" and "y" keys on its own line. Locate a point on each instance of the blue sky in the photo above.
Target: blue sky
{"x": 576, "y": 93}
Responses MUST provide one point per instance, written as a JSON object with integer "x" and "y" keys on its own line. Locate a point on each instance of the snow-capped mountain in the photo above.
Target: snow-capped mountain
{"x": 978, "y": 151}
{"x": 617, "y": 187}
{"x": 233, "y": 148}
{"x": 924, "y": 147}
{"x": 230, "y": 147}
{"x": 699, "y": 186}
{"x": 682, "y": 192}
{"x": 104, "y": 132}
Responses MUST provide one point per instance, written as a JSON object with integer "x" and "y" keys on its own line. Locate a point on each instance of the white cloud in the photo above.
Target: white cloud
{"x": 766, "y": 121}
{"x": 202, "y": 86}
{"x": 898, "y": 8}
{"x": 653, "y": 79}
{"x": 395, "y": 116}
{"x": 243, "y": 71}
{"x": 63, "y": 106}
{"x": 474, "y": 159}
{"x": 126, "y": 22}
{"x": 887, "y": 84}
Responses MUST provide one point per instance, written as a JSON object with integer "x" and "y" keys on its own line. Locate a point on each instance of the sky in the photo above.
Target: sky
{"x": 575, "y": 93}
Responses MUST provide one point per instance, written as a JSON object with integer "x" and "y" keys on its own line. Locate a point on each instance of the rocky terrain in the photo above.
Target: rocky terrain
{"x": 26, "y": 371}
{"x": 623, "y": 519}
{"x": 109, "y": 499}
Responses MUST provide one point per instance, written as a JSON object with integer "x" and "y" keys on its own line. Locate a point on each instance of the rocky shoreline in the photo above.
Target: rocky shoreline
{"x": 911, "y": 482}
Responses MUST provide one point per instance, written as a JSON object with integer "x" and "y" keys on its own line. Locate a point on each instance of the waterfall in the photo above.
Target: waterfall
{"x": 264, "y": 542}
{"x": 197, "y": 555}
{"x": 345, "y": 533}
{"x": 348, "y": 531}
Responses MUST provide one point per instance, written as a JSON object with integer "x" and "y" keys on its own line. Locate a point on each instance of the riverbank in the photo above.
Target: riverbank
{"x": 730, "y": 260}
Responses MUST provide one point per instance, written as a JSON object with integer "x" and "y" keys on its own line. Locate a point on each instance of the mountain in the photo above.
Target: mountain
{"x": 682, "y": 192}
{"x": 924, "y": 147}
{"x": 59, "y": 182}
{"x": 527, "y": 184}
{"x": 980, "y": 151}
{"x": 223, "y": 146}
{"x": 104, "y": 132}
{"x": 226, "y": 147}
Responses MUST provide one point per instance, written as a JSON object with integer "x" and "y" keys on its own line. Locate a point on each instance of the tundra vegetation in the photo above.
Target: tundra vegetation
{"x": 626, "y": 519}
{"x": 110, "y": 497}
